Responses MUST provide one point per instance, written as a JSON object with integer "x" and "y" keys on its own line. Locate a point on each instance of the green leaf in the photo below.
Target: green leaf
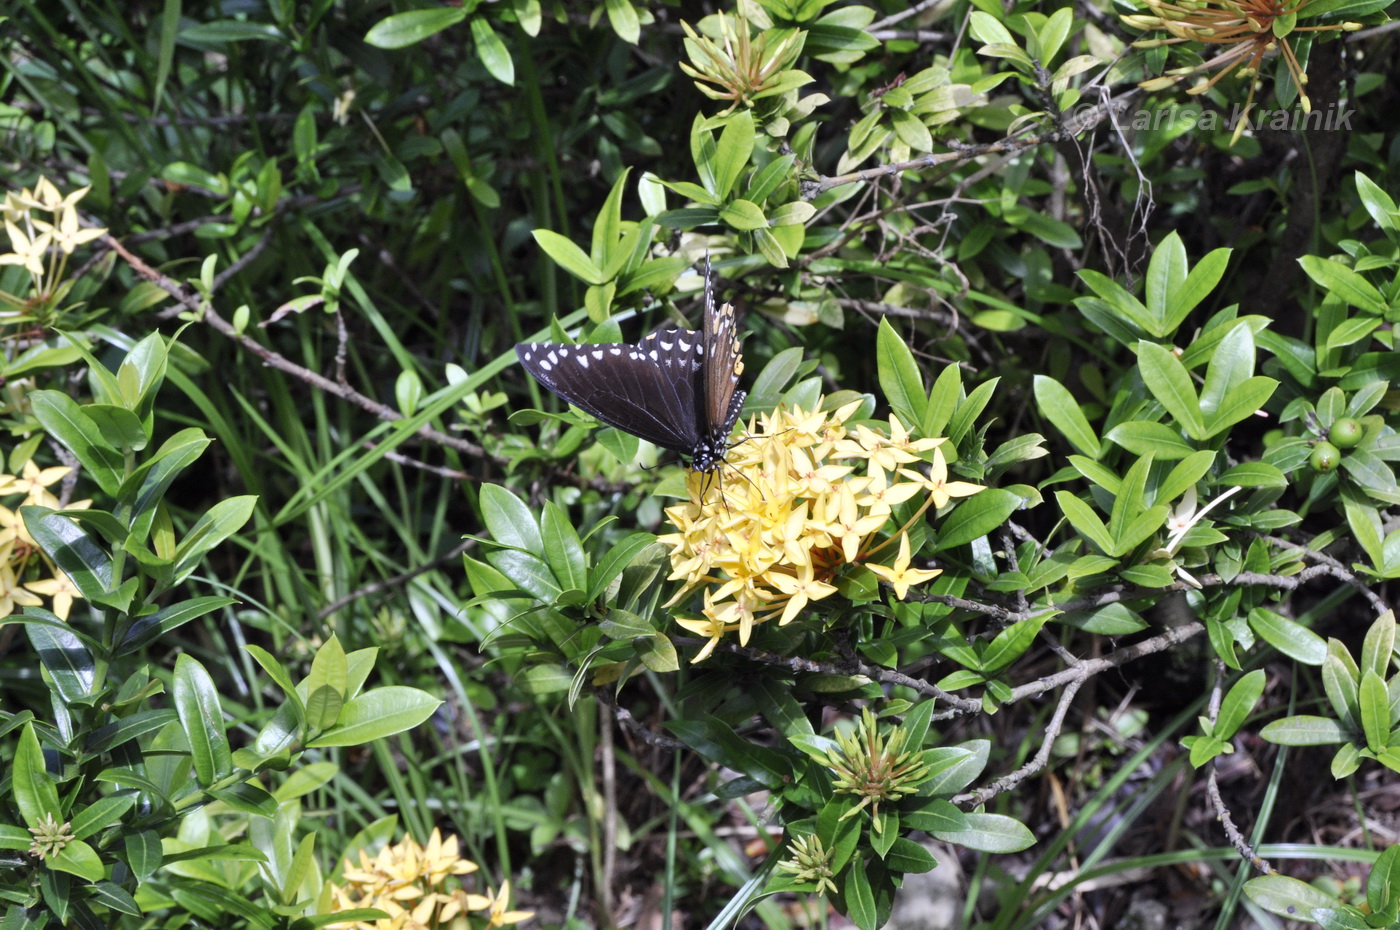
{"x": 300, "y": 867}
{"x": 151, "y": 627}
{"x": 1337, "y": 279}
{"x": 217, "y": 524}
{"x": 976, "y": 516}
{"x": 624, "y": 20}
{"x": 1373, "y": 704}
{"x": 953, "y": 768}
{"x": 1231, "y": 364}
{"x": 64, "y": 655}
{"x": 1241, "y": 403}
{"x": 1141, "y": 438}
{"x": 33, "y": 787}
{"x": 1184, "y": 475}
{"x": 201, "y": 717}
{"x": 743, "y": 215}
{"x": 736, "y": 143}
{"x": 508, "y": 520}
{"x": 492, "y": 51}
{"x": 1378, "y": 647}
{"x": 994, "y": 833}
{"x": 859, "y": 898}
{"x": 1197, "y": 286}
{"x": 1166, "y": 273}
{"x": 120, "y": 428}
{"x": 404, "y": 29}
{"x": 612, "y": 565}
{"x": 784, "y": 711}
{"x": 569, "y": 257}
{"x": 114, "y": 897}
{"x": 1170, "y": 384}
{"x": 907, "y": 856}
{"x": 1288, "y": 636}
{"x": 1238, "y": 704}
{"x": 1011, "y": 643}
{"x": 70, "y": 547}
{"x": 378, "y": 713}
{"x": 562, "y": 549}
{"x": 101, "y": 814}
{"x": 1304, "y": 730}
{"x": 1059, "y": 407}
{"x": 1082, "y": 517}
{"x": 657, "y": 653}
{"x": 1287, "y": 897}
{"x": 78, "y": 858}
{"x": 900, "y": 379}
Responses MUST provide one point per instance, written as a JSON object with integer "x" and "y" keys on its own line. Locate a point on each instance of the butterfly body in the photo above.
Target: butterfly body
{"x": 676, "y": 388}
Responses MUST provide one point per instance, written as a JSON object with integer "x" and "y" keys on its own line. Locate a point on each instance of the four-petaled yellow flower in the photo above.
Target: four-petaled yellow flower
{"x": 901, "y": 576}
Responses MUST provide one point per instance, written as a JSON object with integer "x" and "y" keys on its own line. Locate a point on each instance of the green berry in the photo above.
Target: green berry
{"x": 1325, "y": 457}
{"x": 1346, "y": 432}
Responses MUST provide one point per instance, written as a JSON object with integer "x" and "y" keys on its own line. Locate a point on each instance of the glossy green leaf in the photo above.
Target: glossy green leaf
{"x": 378, "y": 713}
{"x": 101, "y": 814}
{"x": 1012, "y": 643}
{"x": 1287, "y": 897}
{"x": 70, "y": 547}
{"x": 1373, "y": 704}
{"x": 1083, "y": 518}
{"x": 859, "y": 897}
{"x": 736, "y": 143}
{"x": 1203, "y": 278}
{"x": 994, "y": 833}
{"x": 568, "y": 256}
{"x": 1059, "y": 407}
{"x": 1288, "y": 636}
{"x": 976, "y": 516}
{"x": 68, "y": 661}
{"x": 151, "y": 627}
{"x": 900, "y": 379}
{"x": 1141, "y": 438}
{"x": 508, "y": 520}
{"x": 1337, "y": 279}
{"x": 1170, "y": 384}
{"x": 196, "y": 700}
{"x": 78, "y": 858}
{"x": 1238, "y": 704}
{"x": 1241, "y": 404}
{"x": 1166, "y": 273}
{"x": 33, "y": 787}
{"x": 120, "y": 428}
{"x": 217, "y": 524}
{"x": 491, "y": 51}
{"x": 66, "y": 422}
{"x": 1304, "y": 730}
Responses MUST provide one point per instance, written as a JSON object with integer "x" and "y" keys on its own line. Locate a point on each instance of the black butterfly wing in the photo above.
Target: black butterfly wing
{"x": 649, "y": 389}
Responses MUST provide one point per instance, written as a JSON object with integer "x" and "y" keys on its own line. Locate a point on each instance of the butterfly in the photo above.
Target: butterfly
{"x": 676, "y": 388}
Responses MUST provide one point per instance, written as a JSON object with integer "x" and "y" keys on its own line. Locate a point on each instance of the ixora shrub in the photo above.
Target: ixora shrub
{"x": 834, "y": 550}
{"x": 122, "y": 789}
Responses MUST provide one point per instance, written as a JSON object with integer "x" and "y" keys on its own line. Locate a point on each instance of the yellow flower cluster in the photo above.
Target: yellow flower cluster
{"x": 20, "y": 556}
{"x": 44, "y": 229}
{"x": 801, "y": 496}
{"x": 407, "y": 881}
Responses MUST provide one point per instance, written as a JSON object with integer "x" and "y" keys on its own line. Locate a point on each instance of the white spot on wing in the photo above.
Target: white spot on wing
{"x": 582, "y": 360}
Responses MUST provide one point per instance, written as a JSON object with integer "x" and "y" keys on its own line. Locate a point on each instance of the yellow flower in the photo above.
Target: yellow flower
{"x": 901, "y": 576}
{"x": 33, "y": 482}
{"x": 498, "y": 904}
{"x": 767, "y": 540}
{"x": 800, "y": 589}
{"x": 405, "y": 881}
{"x": 941, "y": 488}
{"x": 29, "y": 251}
{"x": 60, "y": 588}
{"x": 12, "y": 594}
{"x": 711, "y": 629}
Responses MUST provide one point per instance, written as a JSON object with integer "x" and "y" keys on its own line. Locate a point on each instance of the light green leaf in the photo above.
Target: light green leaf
{"x": 491, "y": 50}
{"x": 1060, "y": 408}
{"x": 378, "y": 713}
{"x": 1170, "y": 383}
{"x": 569, "y": 256}
{"x": 196, "y": 700}
{"x": 404, "y": 29}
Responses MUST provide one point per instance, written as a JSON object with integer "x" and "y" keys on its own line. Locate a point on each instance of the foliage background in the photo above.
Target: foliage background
{"x": 275, "y": 140}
